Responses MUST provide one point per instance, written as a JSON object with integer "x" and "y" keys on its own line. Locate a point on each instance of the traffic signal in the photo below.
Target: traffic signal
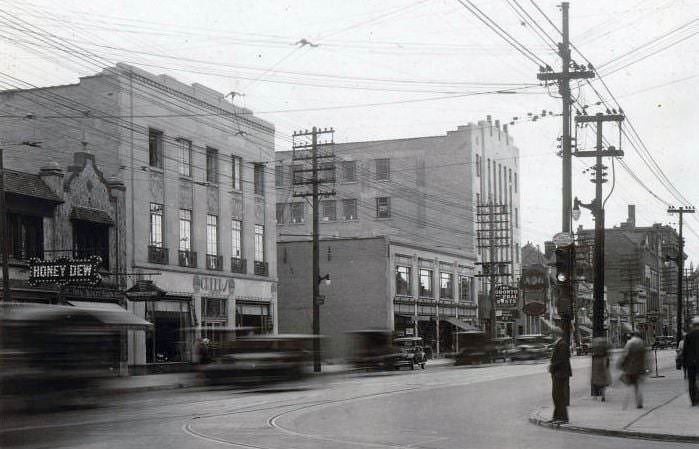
{"x": 565, "y": 257}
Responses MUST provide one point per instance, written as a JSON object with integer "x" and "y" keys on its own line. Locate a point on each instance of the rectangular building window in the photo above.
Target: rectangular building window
{"x": 326, "y": 171}
{"x": 478, "y": 165}
{"x": 446, "y": 285}
{"x": 279, "y": 175}
{"x": 237, "y": 238}
{"x": 516, "y": 217}
{"x": 328, "y": 210}
{"x": 349, "y": 209}
{"x": 236, "y": 172}
{"x": 259, "y": 179}
{"x": 349, "y": 171}
{"x": 155, "y": 148}
{"x": 184, "y": 157}
{"x": 403, "y": 280}
{"x": 91, "y": 239}
{"x": 211, "y": 165}
{"x": 383, "y": 169}
{"x": 156, "y": 225}
{"x": 383, "y": 207}
{"x": 465, "y": 289}
{"x": 298, "y": 212}
{"x": 26, "y": 234}
{"x": 515, "y": 182}
{"x": 425, "y": 287}
{"x": 185, "y": 230}
{"x": 259, "y": 243}
{"x": 281, "y": 212}
{"x": 212, "y": 235}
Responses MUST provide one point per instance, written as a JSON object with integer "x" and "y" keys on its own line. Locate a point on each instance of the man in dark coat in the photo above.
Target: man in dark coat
{"x": 690, "y": 358}
{"x": 560, "y": 376}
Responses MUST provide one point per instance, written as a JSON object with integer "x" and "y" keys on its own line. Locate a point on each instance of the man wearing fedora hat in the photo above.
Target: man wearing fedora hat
{"x": 690, "y": 357}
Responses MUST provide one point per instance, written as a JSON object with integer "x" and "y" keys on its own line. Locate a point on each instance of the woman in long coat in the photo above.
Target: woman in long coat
{"x": 601, "y": 378}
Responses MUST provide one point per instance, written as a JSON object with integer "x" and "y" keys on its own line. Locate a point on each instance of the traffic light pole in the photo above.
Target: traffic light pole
{"x": 563, "y": 78}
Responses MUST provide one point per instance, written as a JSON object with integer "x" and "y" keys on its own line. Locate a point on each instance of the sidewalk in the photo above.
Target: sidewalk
{"x": 666, "y": 416}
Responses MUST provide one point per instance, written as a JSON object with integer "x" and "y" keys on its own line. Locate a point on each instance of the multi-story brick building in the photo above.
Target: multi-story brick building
{"x": 198, "y": 207}
{"x": 638, "y": 276}
{"x": 420, "y": 191}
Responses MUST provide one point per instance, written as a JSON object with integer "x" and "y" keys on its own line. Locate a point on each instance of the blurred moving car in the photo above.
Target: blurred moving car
{"x": 475, "y": 347}
{"x": 411, "y": 354}
{"x": 371, "y": 349}
{"x": 532, "y": 347}
{"x": 259, "y": 359}
{"x": 504, "y": 347}
{"x": 55, "y": 356}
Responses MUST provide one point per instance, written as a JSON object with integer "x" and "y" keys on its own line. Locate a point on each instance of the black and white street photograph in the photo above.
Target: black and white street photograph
{"x": 330, "y": 224}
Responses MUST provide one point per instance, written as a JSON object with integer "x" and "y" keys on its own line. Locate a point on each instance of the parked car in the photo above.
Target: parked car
{"x": 475, "y": 347}
{"x": 532, "y": 347}
{"x": 411, "y": 353}
{"x": 664, "y": 342}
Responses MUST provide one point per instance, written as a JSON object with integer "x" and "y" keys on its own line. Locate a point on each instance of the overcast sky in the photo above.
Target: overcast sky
{"x": 395, "y": 69}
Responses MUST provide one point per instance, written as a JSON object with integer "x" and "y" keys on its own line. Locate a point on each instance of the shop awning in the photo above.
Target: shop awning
{"x": 91, "y": 215}
{"x": 111, "y": 314}
{"x": 461, "y": 324}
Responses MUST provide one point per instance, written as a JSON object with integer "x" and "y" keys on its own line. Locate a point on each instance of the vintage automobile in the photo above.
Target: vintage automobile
{"x": 376, "y": 349}
{"x": 57, "y": 356}
{"x": 412, "y": 352}
{"x": 664, "y": 342}
{"x": 259, "y": 359}
{"x": 504, "y": 347}
{"x": 475, "y": 347}
{"x": 531, "y": 347}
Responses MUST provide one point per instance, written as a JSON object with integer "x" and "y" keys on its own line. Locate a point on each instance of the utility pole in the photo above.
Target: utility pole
{"x": 680, "y": 263}
{"x": 493, "y": 233}
{"x": 563, "y": 78}
{"x": 597, "y": 208}
{"x": 307, "y": 152}
{"x": 6, "y": 293}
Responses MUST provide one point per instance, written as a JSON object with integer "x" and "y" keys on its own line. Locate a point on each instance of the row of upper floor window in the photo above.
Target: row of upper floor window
{"x": 295, "y": 212}
{"x": 158, "y": 251}
{"x": 328, "y": 171}
{"x": 214, "y": 176}
{"x": 447, "y": 288}
{"x": 25, "y": 239}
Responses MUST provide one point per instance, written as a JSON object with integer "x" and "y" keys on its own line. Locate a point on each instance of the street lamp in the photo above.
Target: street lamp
{"x": 325, "y": 280}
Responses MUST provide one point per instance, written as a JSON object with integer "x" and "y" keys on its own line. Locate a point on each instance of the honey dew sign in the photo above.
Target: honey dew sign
{"x": 65, "y": 271}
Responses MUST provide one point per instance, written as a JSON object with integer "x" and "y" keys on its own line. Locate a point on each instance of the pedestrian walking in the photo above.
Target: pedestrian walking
{"x": 679, "y": 364}
{"x": 560, "y": 377}
{"x": 600, "y": 378}
{"x": 634, "y": 365}
{"x": 690, "y": 359}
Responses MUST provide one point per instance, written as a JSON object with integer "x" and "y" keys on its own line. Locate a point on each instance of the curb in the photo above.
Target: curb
{"x": 536, "y": 419}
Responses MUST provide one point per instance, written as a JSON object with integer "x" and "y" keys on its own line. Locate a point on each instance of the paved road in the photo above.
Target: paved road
{"x": 446, "y": 407}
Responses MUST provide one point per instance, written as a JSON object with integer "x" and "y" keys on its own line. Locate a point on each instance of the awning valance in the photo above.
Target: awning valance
{"x": 460, "y": 324}
{"x": 111, "y": 314}
{"x": 91, "y": 215}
